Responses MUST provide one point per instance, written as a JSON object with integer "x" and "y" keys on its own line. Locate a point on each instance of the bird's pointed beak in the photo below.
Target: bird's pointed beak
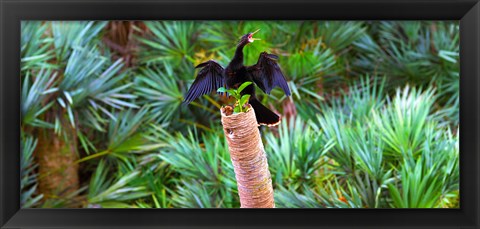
{"x": 251, "y": 38}
{"x": 254, "y": 33}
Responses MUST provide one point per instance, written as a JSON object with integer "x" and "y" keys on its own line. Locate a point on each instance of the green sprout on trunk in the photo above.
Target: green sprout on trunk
{"x": 240, "y": 100}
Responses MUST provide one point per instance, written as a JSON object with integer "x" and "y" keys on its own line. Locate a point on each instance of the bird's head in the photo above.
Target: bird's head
{"x": 248, "y": 38}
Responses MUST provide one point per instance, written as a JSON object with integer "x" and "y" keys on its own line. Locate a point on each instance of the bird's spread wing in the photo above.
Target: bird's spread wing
{"x": 267, "y": 74}
{"x": 209, "y": 79}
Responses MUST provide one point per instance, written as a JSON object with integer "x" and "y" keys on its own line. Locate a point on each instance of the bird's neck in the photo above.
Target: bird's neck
{"x": 237, "y": 60}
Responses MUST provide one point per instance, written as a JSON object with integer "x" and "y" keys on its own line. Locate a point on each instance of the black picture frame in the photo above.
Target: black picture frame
{"x": 466, "y": 11}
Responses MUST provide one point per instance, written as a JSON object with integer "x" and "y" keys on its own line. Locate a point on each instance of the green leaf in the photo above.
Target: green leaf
{"x": 243, "y": 86}
{"x": 233, "y": 92}
{"x": 236, "y": 109}
{"x": 244, "y": 100}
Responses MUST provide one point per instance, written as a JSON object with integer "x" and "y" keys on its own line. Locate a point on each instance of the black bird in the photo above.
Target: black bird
{"x": 266, "y": 74}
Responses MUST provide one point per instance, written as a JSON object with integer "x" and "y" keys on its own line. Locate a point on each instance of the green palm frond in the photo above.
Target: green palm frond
{"x": 35, "y": 47}
{"x": 197, "y": 158}
{"x": 362, "y": 97}
{"x": 339, "y": 35}
{"x": 160, "y": 90}
{"x": 125, "y": 135}
{"x": 90, "y": 76}
{"x": 328, "y": 195}
{"x": 420, "y": 188}
{"x": 29, "y": 183}
{"x": 34, "y": 97}
{"x": 308, "y": 68}
{"x": 203, "y": 159}
{"x": 69, "y": 35}
{"x": 159, "y": 179}
{"x": 91, "y": 85}
{"x": 304, "y": 65}
{"x": 193, "y": 194}
{"x": 368, "y": 151}
{"x": 335, "y": 195}
{"x": 171, "y": 41}
{"x": 403, "y": 120}
{"x": 295, "y": 155}
{"x": 335, "y": 126}
{"x": 411, "y": 51}
{"x": 285, "y": 198}
{"x": 104, "y": 191}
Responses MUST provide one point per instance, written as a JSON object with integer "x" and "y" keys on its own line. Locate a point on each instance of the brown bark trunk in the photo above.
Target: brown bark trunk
{"x": 58, "y": 172}
{"x": 248, "y": 158}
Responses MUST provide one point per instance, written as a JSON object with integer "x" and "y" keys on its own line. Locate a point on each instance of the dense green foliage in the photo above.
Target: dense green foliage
{"x": 372, "y": 121}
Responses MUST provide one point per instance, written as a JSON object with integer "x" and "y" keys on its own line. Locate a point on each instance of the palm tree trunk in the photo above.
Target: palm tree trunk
{"x": 248, "y": 158}
{"x": 56, "y": 156}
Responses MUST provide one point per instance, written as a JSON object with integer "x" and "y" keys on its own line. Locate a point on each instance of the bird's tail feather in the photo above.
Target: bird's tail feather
{"x": 264, "y": 115}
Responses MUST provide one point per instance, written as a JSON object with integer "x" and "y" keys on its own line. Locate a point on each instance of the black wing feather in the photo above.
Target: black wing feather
{"x": 267, "y": 74}
{"x": 209, "y": 78}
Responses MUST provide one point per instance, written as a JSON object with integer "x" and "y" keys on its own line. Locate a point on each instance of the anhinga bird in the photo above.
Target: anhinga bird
{"x": 266, "y": 74}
